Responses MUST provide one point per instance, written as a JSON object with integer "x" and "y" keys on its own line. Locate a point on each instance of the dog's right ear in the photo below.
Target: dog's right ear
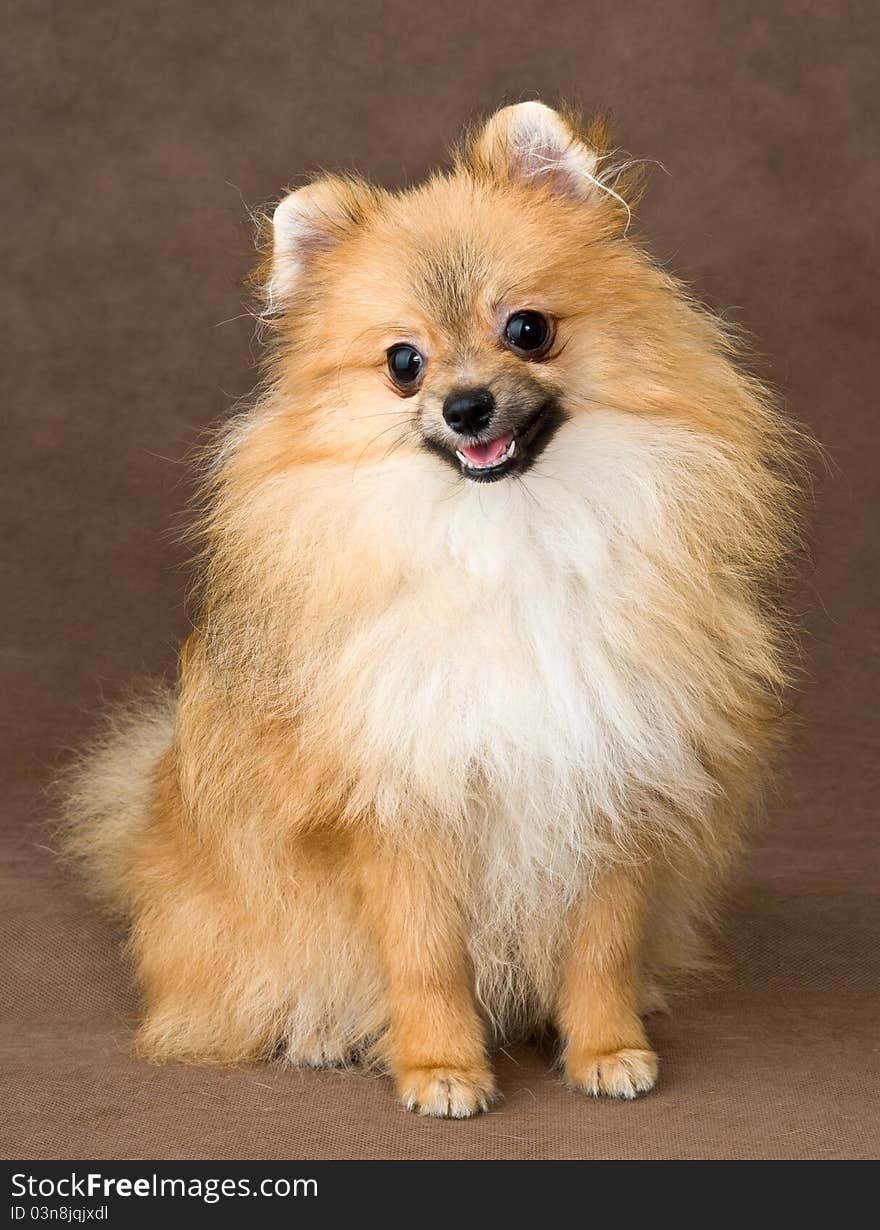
{"x": 305, "y": 223}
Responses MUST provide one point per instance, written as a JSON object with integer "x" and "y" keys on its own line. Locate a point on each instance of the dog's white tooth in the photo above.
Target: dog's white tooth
{"x": 461, "y": 457}
{"x": 511, "y": 448}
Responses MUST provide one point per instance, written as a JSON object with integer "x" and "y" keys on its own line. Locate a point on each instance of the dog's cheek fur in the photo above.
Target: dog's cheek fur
{"x": 404, "y": 687}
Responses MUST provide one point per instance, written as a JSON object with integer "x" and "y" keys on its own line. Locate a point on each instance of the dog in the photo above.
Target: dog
{"x": 488, "y": 662}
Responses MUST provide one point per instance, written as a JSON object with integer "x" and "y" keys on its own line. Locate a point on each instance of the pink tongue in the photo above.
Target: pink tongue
{"x": 483, "y": 455}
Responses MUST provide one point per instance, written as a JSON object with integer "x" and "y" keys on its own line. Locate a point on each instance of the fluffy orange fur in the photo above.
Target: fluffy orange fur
{"x": 449, "y": 760}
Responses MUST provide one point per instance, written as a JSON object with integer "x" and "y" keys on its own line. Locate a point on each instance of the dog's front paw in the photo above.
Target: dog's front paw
{"x": 447, "y": 1093}
{"x": 620, "y": 1074}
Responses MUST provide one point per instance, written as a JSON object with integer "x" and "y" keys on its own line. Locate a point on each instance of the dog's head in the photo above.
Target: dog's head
{"x": 470, "y": 316}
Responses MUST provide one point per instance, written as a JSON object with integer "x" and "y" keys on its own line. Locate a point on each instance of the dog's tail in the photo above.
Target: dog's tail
{"x": 104, "y": 795}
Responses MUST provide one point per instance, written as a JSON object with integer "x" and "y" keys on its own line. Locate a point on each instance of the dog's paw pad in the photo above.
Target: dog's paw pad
{"x": 620, "y": 1074}
{"x": 446, "y": 1093}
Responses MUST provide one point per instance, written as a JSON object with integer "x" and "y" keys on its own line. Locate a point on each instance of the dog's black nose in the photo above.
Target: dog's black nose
{"x": 469, "y": 411}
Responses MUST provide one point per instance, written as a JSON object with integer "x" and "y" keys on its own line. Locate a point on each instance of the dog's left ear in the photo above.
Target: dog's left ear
{"x": 533, "y": 143}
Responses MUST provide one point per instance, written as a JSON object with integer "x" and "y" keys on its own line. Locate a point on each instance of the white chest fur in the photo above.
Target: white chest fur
{"x": 511, "y": 662}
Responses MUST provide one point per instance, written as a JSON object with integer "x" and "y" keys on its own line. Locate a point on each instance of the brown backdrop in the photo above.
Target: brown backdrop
{"x": 140, "y": 130}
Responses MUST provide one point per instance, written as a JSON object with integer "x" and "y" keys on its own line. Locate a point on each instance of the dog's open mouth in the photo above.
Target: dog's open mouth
{"x": 512, "y": 450}
{"x": 482, "y": 457}
{"x": 486, "y": 461}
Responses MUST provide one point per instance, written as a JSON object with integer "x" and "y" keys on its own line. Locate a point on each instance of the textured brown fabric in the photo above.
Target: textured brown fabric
{"x": 140, "y": 129}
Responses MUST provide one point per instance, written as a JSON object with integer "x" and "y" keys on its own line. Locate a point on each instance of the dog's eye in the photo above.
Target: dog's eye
{"x": 527, "y": 332}
{"x": 405, "y": 366}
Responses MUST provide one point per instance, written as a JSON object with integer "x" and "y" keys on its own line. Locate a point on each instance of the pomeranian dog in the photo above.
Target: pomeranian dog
{"x": 487, "y": 665}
